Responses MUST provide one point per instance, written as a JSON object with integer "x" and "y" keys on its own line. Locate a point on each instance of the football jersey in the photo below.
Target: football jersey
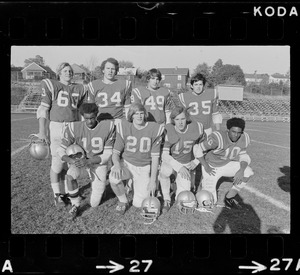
{"x": 138, "y": 145}
{"x": 62, "y": 100}
{"x": 222, "y": 149}
{"x": 202, "y": 106}
{"x": 110, "y": 98}
{"x": 154, "y": 102}
{"x": 93, "y": 141}
{"x": 180, "y": 144}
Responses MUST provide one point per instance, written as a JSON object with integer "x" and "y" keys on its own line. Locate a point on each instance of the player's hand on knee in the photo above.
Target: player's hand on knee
{"x": 238, "y": 177}
{"x": 116, "y": 172}
{"x": 151, "y": 186}
{"x": 185, "y": 173}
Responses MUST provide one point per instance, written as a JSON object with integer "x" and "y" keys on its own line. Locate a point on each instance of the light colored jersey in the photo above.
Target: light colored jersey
{"x": 202, "y": 106}
{"x": 180, "y": 144}
{"x": 62, "y": 100}
{"x": 138, "y": 145}
{"x": 110, "y": 98}
{"x": 154, "y": 101}
{"x": 93, "y": 141}
{"x": 222, "y": 150}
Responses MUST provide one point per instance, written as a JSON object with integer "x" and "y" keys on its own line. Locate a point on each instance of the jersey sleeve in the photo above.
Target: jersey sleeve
{"x": 157, "y": 139}
{"x": 47, "y": 89}
{"x": 111, "y": 134}
{"x": 128, "y": 92}
{"x": 136, "y": 96}
{"x": 181, "y": 99}
{"x": 214, "y": 141}
{"x": 91, "y": 92}
{"x": 119, "y": 144}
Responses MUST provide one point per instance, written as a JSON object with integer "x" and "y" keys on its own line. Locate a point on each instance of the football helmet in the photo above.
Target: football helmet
{"x": 75, "y": 151}
{"x": 205, "y": 199}
{"x": 38, "y": 148}
{"x": 186, "y": 202}
{"x": 150, "y": 209}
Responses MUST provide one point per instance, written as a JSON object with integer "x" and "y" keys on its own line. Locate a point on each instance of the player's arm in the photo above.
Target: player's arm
{"x": 127, "y": 102}
{"x": 216, "y": 116}
{"x": 117, "y": 150}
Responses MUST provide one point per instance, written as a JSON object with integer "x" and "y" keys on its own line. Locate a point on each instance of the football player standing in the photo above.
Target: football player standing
{"x": 96, "y": 138}
{"x": 112, "y": 95}
{"x": 139, "y": 143}
{"x": 226, "y": 156}
{"x": 177, "y": 157}
{"x": 153, "y": 97}
{"x": 59, "y": 105}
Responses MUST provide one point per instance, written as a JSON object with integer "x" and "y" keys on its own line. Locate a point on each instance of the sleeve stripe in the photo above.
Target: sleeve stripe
{"x": 71, "y": 127}
{"x": 128, "y": 83}
{"x": 45, "y": 105}
{"x": 91, "y": 88}
{"x": 160, "y": 130}
{"x": 215, "y": 94}
{"x": 116, "y": 152}
{"x": 200, "y": 125}
{"x": 220, "y": 139}
{"x": 137, "y": 92}
{"x": 202, "y": 146}
{"x": 247, "y": 138}
{"x": 155, "y": 154}
{"x": 108, "y": 147}
{"x": 181, "y": 98}
{"x": 50, "y": 86}
{"x": 63, "y": 146}
{"x": 119, "y": 128}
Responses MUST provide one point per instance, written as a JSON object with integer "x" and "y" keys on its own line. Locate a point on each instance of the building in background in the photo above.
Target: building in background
{"x": 174, "y": 78}
{"x": 36, "y": 71}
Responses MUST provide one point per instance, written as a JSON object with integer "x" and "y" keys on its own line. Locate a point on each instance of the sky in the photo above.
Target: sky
{"x": 262, "y": 59}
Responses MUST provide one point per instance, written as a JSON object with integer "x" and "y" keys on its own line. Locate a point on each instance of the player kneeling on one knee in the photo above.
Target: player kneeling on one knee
{"x": 139, "y": 143}
{"x": 94, "y": 141}
{"x": 226, "y": 156}
{"x": 177, "y": 157}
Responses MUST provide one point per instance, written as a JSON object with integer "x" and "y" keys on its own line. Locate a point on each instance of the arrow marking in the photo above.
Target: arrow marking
{"x": 114, "y": 267}
{"x": 257, "y": 268}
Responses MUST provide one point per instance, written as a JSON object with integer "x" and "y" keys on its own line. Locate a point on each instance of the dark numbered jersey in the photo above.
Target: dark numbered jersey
{"x": 180, "y": 144}
{"x": 154, "y": 101}
{"x": 62, "y": 100}
{"x": 93, "y": 141}
{"x": 222, "y": 150}
{"x": 110, "y": 98}
{"x": 202, "y": 106}
{"x": 138, "y": 145}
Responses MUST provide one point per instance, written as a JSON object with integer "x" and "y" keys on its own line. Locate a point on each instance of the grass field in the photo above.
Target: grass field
{"x": 265, "y": 200}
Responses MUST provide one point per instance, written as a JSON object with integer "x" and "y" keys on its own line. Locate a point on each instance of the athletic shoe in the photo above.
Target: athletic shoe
{"x": 74, "y": 211}
{"x": 122, "y": 207}
{"x": 59, "y": 200}
{"x": 232, "y": 203}
{"x": 166, "y": 207}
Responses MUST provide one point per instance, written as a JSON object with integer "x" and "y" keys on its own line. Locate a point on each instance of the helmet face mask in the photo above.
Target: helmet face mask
{"x": 75, "y": 151}
{"x": 39, "y": 149}
{"x": 186, "y": 202}
{"x": 150, "y": 209}
{"x": 205, "y": 199}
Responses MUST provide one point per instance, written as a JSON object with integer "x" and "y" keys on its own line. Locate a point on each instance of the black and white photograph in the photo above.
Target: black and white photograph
{"x": 152, "y": 139}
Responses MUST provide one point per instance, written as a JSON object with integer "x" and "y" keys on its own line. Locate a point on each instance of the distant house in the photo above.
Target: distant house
{"x": 127, "y": 73}
{"x": 256, "y": 78}
{"x": 174, "y": 78}
{"x": 36, "y": 71}
{"x": 80, "y": 74}
{"x": 16, "y": 74}
{"x": 279, "y": 78}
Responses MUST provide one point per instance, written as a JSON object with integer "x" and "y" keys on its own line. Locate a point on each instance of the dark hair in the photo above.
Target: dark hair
{"x": 110, "y": 60}
{"x": 235, "y": 122}
{"x": 88, "y": 108}
{"x": 153, "y": 72}
{"x": 135, "y": 107}
{"x": 198, "y": 77}
{"x": 177, "y": 111}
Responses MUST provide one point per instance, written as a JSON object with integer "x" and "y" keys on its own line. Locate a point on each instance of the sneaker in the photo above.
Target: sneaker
{"x": 232, "y": 203}
{"x": 59, "y": 200}
{"x": 74, "y": 211}
{"x": 166, "y": 207}
{"x": 121, "y": 208}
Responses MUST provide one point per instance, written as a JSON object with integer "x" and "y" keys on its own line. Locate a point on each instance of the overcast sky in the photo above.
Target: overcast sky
{"x": 263, "y": 59}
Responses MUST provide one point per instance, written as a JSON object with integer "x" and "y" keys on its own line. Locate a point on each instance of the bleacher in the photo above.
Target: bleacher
{"x": 263, "y": 109}
{"x": 32, "y": 100}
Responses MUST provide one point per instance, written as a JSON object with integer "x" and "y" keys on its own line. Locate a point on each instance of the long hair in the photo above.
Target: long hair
{"x": 135, "y": 107}
{"x": 177, "y": 111}
{"x": 61, "y": 66}
{"x": 153, "y": 72}
{"x": 198, "y": 77}
{"x": 112, "y": 61}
